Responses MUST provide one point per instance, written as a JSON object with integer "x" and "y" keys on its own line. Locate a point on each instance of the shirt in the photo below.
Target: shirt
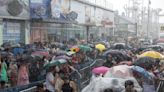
{"x": 49, "y": 78}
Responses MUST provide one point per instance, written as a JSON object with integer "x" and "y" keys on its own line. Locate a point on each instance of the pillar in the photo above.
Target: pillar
{"x": 1, "y": 32}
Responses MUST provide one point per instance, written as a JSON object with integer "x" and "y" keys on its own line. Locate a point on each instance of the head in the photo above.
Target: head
{"x": 66, "y": 79}
{"x": 2, "y": 84}
{"x": 40, "y": 87}
{"x": 108, "y": 90}
{"x": 129, "y": 85}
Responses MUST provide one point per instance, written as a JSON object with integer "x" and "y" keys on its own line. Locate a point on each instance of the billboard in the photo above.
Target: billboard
{"x": 14, "y": 8}
{"x": 60, "y": 10}
{"x": 104, "y": 18}
{"x": 40, "y": 9}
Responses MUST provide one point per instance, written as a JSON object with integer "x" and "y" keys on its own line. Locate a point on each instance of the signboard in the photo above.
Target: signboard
{"x": 104, "y": 18}
{"x": 40, "y": 9}
{"x": 14, "y": 8}
{"x": 60, "y": 10}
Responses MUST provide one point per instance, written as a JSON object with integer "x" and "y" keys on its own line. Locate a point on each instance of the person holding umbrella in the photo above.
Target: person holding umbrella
{"x": 51, "y": 79}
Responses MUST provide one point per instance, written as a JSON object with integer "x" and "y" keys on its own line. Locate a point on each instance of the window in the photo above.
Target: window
{"x": 11, "y": 32}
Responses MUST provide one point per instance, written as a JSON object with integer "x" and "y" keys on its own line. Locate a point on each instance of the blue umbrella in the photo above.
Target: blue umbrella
{"x": 142, "y": 71}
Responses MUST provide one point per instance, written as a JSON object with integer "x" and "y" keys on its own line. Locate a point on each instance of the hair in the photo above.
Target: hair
{"x": 108, "y": 90}
{"x": 40, "y": 85}
{"x": 129, "y": 82}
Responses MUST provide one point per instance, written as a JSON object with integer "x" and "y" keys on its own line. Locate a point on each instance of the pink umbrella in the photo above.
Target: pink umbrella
{"x": 100, "y": 70}
{"x": 40, "y": 53}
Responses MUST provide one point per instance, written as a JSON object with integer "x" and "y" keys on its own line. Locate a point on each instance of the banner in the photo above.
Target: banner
{"x": 14, "y": 8}
{"x": 40, "y": 9}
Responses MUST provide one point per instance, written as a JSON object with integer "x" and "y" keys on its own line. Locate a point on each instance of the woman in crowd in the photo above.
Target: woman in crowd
{"x": 23, "y": 75}
{"x": 51, "y": 80}
{"x": 68, "y": 85}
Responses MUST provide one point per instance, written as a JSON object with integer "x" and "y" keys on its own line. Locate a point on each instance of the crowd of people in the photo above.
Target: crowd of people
{"x": 24, "y": 64}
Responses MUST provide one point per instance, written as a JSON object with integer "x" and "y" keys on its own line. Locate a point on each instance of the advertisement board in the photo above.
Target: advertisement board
{"x": 40, "y": 9}
{"x": 15, "y": 9}
{"x": 104, "y": 18}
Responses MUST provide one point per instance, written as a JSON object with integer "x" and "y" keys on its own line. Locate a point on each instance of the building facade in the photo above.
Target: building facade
{"x": 58, "y": 20}
{"x": 29, "y": 21}
{"x": 14, "y": 21}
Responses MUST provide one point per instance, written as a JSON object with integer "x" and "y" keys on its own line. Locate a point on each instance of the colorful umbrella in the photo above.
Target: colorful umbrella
{"x": 70, "y": 53}
{"x": 100, "y": 47}
{"x": 100, "y": 70}
{"x": 75, "y": 49}
{"x": 55, "y": 63}
{"x": 152, "y": 54}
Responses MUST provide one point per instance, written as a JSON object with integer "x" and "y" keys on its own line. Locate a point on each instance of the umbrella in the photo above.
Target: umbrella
{"x": 70, "y": 53}
{"x": 116, "y": 55}
{"x": 40, "y": 54}
{"x": 85, "y": 48}
{"x": 120, "y": 71}
{"x": 141, "y": 71}
{"x": 100, "y": 47}
{"x": 62, "y": 57}
{"x": 75, "y": 49}
{"x": 144, "y": 62}
{"x": 152, "y": 54}
{"x": 55, "y": 63}
{"x": 100, "y": 70}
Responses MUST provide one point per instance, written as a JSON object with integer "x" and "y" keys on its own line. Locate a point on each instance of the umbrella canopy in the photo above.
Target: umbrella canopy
{"x": 85, "y": 48}
{"x": 75, "y": 49}
{"x": 117, "y": 55}
{"x": 120, "y": 71}
{"x": 100, "y": 70}
{"x": 62, "y": 57}
{"x": 70, "y": 53}
{"x": 100, "y": 47}
{"x": 152, "y": 54}
{"x": 40, "y": 53}
{"x": 55, "y": 63}
{"x": 145, "y": 62}
{"x": 142, "y": 71}
{"x": 99, "y": 84}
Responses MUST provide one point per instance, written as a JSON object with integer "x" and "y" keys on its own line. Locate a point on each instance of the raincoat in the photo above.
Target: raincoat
{"x": 4, "y": 72}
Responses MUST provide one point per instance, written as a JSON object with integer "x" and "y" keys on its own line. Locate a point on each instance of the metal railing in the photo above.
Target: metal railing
{"x": 22, "y": 88}
{"x": 81, "y": 77}
{"x": 86, "y": 73}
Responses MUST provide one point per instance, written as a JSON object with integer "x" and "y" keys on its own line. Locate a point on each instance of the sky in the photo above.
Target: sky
{"x": 119, "y": 4}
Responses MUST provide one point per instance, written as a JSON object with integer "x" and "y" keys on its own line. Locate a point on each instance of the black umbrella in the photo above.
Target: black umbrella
{"x": 117, "y": 55}
{"x": 145, "y": 62}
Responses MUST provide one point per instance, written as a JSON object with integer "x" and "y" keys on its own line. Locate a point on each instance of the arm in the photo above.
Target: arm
{"x": 74, "y": 86}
